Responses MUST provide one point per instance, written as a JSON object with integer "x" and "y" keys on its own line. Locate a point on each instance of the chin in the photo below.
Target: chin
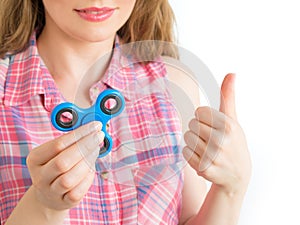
{"x": 96, "y": 36}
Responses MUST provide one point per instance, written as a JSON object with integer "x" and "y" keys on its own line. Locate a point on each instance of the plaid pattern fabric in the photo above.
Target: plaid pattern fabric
{"x": 139, "y": 182}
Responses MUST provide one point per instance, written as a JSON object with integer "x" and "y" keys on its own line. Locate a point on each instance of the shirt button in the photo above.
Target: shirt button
{"x": 104, "y": 175}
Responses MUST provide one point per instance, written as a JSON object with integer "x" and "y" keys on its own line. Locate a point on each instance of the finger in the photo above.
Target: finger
{"x": 211, "y": 137}
{"x": 210, "y": 117}
{"x": 227, "y": 105}
{"x": 207, "y": 151}
{"x": 75, "y": 195}
{"x": 67, "y": 181}
{"x": 49, "y": 150}
{"x": 191, "y": 157}
{"x": 202, "y": 165}
{"x": 208, "y": 158}
{"x": 67, "y": 159}
{"x": 202, "y": 130}
{"x": 195, "y": 143}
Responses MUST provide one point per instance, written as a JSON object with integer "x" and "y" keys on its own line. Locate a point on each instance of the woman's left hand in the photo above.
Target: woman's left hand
{"x": 216, "y": 145}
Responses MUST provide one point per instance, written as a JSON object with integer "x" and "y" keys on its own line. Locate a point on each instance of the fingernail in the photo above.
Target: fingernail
{"x": 98, "y": 125}
{"x": 98, "y": 137}
{"x": 95, "y": 126}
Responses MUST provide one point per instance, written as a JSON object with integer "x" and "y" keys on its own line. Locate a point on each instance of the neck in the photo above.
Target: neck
{"x": 67, "y": 56}
{"x": 74, "y": 64}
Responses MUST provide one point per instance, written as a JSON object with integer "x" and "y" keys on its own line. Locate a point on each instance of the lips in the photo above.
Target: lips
{"x": 95, "y": 14}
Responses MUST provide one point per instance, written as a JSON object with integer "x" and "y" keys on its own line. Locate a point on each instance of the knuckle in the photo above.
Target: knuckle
{"x": 218, "y": 140}
{"x": 59, "y": 145}
{"x": 66, "y": 182}
{"x": 230, "y": 126}
{"x": 30, "y": 160}
{"x": 61, "y": 164}
{"x": 74, "y": 196}
{"x": 205, "y": 169}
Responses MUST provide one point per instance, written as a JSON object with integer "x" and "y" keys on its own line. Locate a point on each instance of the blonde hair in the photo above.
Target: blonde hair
{"x": 150, "y": 20}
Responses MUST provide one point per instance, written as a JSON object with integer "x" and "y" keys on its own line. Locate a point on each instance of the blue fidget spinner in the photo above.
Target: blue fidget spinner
{"x": 67, "y": 116}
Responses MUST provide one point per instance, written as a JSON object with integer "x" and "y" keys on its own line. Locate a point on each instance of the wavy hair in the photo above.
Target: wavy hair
{"x": 150, "y": 20}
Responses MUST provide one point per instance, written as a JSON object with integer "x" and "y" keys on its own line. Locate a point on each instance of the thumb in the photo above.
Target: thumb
{"x": 227, "y": 103}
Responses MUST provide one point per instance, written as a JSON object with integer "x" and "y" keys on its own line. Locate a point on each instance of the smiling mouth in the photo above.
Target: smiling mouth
{"x": 94, "y": 14}
{"x": 95, "y": 10}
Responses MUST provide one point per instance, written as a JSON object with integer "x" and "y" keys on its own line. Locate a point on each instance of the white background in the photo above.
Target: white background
{"x": 259, "y": 40}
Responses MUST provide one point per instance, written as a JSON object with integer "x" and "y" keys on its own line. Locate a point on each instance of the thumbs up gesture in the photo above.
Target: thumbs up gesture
{"x": 216, "y": 145}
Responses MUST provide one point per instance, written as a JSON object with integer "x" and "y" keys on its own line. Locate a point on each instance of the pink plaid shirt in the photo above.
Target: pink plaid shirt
{"x": 139, "y": 182}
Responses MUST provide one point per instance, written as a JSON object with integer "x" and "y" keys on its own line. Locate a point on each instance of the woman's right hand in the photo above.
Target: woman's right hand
{"x": 62, "y": 170}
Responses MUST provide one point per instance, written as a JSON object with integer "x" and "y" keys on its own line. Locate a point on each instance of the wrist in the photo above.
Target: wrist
{"x": 30, "y": 210}
{"x": 47, "y": 213}
{"x": 230, "y": 192}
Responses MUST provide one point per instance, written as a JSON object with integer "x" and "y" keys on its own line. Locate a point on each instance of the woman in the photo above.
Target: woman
{"x": 49, "y": 50}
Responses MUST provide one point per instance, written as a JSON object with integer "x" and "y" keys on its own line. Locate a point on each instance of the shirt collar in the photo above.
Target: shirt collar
{"x": 25, "y": 78}
{"x": 129, "y": 74}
